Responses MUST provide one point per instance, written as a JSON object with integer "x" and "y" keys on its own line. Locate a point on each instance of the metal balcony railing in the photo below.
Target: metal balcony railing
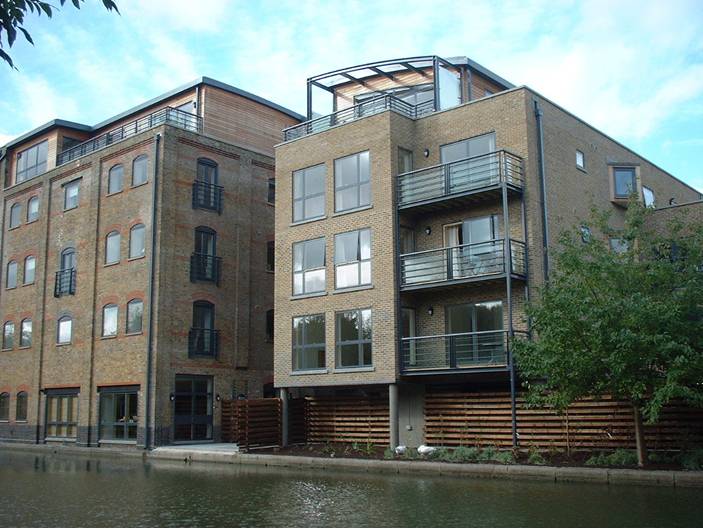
{"x": 203, "y": 342}
{"x": 456, "y": 178}
{"x": 207, "y": 196}
{"x": 168, "y": 115}
{"x": 370, "y": 107}
{"x": 65, "y": 283}
{"x": 454, "y": 351}
{"x": 461, "y": 262}
{"x": 204, "y": 267}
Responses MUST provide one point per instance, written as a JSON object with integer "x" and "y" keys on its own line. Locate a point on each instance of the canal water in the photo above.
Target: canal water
{"x": 53, "y": 490}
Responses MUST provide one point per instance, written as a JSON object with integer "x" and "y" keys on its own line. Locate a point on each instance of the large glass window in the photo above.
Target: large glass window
{"x": 64, "y": 330}
{"x": 137, "y": 239}
{"x": 110, "y": 313}
{"x": 477, "y": 333}
{"x": 309, "y": 193}
{"x": 309, "y": 342}
{"x": 648, "y": 195}
{"x": 71, "y": 195}
{"x": 30, "y": 266}
{"x": 118, "y": 415}
{"x": 62, "y": 415}
{"x": 15, "y": 215}
{"x": 4, "y": 406}
{"x": 21, "y": 407}
{"x": 33, "y": 209}
{"x": 354, "y": 338}
{"x": 135, "y": 312}
{"x": 352, "y": 187}
{"x": 8, "y": 335}
{"x": 115, "y": 179}
{"x": 11, "y": 281}
{"x": 352, "y": 258}
{"x": 625, "y": 181}
{"x": 207, "y": 171}
{"x": 269, "y": 325}
{"x": 139, "y": 170}
{"x": 112, "y": 247}
{"x": 26, "y": 333}
{"x": 309, "y": 266}
{"x": 32, "y": 162}
{"x": 468, "y": 148}
{"x": 405, "y": 160}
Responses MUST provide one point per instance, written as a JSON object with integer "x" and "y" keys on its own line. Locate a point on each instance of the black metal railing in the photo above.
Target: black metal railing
{"x": 203, "y": 342}
{"x": 370, "y": 107}
{"x": 462, "y": 176}
{"x": 461, "y": 262}
{"x": 168, "y": 115}
{"x": 207, "y": 196}
{"x": 204, "y": 267}
{"x": 65, "y": 283}
{"x": 454, "y": 351}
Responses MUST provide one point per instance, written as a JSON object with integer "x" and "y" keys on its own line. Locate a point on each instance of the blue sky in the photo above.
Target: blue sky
{"x": 634, "y": 69}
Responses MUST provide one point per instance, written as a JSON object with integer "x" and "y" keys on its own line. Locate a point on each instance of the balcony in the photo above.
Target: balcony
{"x": 204, "y": 267}
{"x": 367, "y": 108}
{"x": 461, "y": 264}
{"x": 207, "y": 196}
{"x": 460, "y": 179}
{"x": 168, "y": 115}
{"x": 65, "y": 283}
{"x": 451, "y": 352}
{"x": 203, "y": 342}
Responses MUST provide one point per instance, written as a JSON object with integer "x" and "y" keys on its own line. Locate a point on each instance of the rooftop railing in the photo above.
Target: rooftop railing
{"x": 466, "y": 261}
{"x": 459, "y": 177}
{"x": 167, "y": 115}
{"x": 370, "y": 107}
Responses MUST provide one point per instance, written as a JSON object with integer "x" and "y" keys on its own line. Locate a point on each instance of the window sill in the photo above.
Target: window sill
{"x": 63, "y": 344}
{"x": 23, "y": 421}
{"x": 307, "y": 296}
{"x": 309, "y": 372}
{"x": 32, "y": 221}
{"x": 61, "y": 439}
{"x": 134, "y": 186}
{"x": 116, "y": 442}
{"x": 106, "y": 265}
{"x": 582, "y": 169}
{"x": 140, "y": 333}
{"x": 365, "y": 369}
{"x": 136, "y": 258}
{"x": 352, "y": 289}
{"x": 114, "y": 193}
{"x": 355, "y": 210}
{"x": 6, "y": 349}
{"x": 24, "y": 347}
{"x": 270, "y": 203}
{"x": 10, "y": 288}
{"x": 270, "y": 271}
{"x": 14, "y": 227}
{"x": 27, "y": 284}
{"x": 70, "y": 209}
{"x": 305, "y": 221}
{"x": 111, "y": 337}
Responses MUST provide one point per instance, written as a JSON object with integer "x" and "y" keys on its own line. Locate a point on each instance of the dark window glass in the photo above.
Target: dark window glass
{"x": 205, "y": 241}
{"x": 309, "y": 266}
{"x": 21, "y": 407}
{"x": 309, "y": 193}
{"x": 115, "y": 179}
{"x": 32, "y": 162}
{"x": 309, "y": 342}
{"x": 33, "y": 209}
{"x": 118, "y": 416}
{"x": 271, "y": 192}
{"x": 405, "y": 160}
{"x": 15, "y": 215}
{"x": 4, "y": 406}
{"x": 269, "y": 325}
{"x": 135, "y": 312}
{"x": 352, "y": 187}
{"x": 270, "y": 256}
{"x": 625, "y": 183}
{"x": 203, "y": 315}
{"x": 354, "y": 338}
{"x": 26, "y": 333}
{"x": 207, "y": 171}
{"x": 139, "y": 170}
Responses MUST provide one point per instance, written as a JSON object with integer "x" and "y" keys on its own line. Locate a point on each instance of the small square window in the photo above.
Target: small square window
{"x": 624, "y": 181}
{"x": 71, "y": 195}
{"x": 580, "y": 160}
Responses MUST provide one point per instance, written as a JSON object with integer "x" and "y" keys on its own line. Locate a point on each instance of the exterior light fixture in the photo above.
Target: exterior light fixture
{"x": 426, "y": 152}
{"x": 172, "y": 397}
{"x": 428, "y": 230}
{"x": 430, "y": 310}
{"x": 218, "y": 398}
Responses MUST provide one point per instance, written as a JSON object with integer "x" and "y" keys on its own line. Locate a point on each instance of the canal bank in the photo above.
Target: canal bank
{"x": 228, "y": 455}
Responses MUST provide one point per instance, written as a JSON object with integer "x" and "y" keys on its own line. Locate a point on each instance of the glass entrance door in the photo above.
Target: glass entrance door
{"x": 193, "y": 408}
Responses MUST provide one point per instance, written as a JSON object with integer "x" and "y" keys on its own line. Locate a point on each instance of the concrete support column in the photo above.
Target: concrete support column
{"x": 393, "y": 413}
{"x": 283, "y": 393}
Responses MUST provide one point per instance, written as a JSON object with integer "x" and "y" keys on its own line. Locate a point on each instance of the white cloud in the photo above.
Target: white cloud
{"x": 41, "y": 102}
{"x": 203, "y": 15}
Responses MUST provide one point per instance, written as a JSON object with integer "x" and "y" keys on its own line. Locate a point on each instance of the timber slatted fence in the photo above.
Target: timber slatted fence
{"x": 469, "y": 419}
{"x": 251, "y": 423}
{"x": 348, "y": 419}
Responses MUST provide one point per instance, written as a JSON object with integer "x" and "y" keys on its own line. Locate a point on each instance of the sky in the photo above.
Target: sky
{"x": 633, "y": 69}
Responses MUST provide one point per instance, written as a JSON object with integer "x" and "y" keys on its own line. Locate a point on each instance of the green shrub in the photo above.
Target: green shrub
{"x": 505, "y": 458}
{"x": 535, "y": 457}
{"x": 619, "y": 458}
{"x": 388, "y": 454}
{"x": 464, "y": 454}
{"x": 441, "y": 454}
{"x": 488, "y": 454}
{"x": 692, "y": 459}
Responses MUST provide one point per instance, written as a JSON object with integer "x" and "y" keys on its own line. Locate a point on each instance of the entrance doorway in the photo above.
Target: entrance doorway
{"x": 193, "y": 408}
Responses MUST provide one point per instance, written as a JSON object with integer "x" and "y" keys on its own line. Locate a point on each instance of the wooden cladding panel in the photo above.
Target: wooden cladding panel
{"x": 347, "y": 420}
{"x": 251, "y": 423}
{"x": 480, "y": 84}
{"x": 453, "y": 419}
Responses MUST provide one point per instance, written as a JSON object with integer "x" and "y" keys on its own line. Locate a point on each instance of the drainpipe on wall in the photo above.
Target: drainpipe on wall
{"x": 543, "y": 190}
{"x": 152, "y": 273}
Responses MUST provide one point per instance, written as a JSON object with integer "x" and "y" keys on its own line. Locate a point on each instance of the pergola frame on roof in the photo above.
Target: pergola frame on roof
{"x": 330, "y": 80}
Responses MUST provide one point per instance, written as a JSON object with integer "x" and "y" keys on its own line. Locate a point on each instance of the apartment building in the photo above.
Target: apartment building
{"x": 414, "y": 222}
{"x": 137, "y": 265}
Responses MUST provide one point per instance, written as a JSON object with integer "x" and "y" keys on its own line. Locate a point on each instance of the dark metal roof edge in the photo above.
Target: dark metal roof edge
{"x": 151, "y": 102}
{"x": 482, "y": 70}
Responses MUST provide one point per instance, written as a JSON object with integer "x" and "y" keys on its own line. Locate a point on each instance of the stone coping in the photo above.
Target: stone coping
{"x": 612, "y": 476}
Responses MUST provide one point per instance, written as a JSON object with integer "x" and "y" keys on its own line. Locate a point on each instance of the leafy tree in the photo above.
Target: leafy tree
{"x": 12, "y": 13}
{"x": 627, "y": 323}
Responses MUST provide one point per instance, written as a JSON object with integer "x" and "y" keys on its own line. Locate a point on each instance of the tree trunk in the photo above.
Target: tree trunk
{"x": 639, "y": 436}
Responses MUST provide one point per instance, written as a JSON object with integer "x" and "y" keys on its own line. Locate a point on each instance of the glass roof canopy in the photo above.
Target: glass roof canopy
{"x": 430, "y": 67}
